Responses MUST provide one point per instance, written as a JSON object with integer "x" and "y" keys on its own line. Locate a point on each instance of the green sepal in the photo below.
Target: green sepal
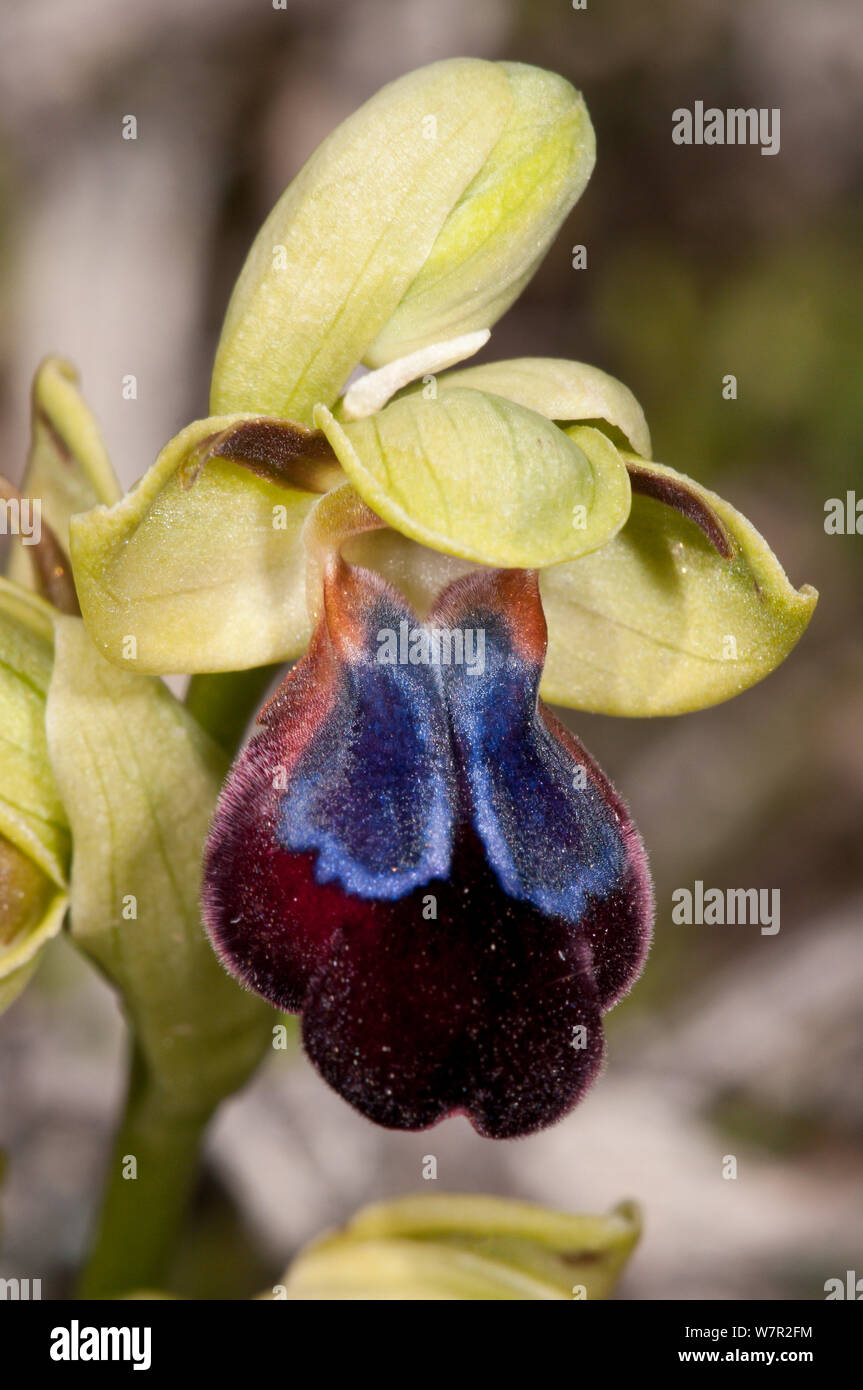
{"x": 200, "y": 567}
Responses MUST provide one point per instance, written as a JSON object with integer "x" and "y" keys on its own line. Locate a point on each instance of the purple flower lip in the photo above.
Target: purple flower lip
{"x": 418, "y": 858}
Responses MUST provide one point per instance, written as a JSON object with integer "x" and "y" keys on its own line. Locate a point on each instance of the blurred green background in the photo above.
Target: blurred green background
{"x": 701, "y": 261}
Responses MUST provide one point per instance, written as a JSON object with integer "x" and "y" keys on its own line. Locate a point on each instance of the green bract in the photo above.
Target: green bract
{"x": 140, "y": 779}
{"x": 420, "y": 218}
{"x": 466, "y": 1248}
{"x": 67, "y": 471}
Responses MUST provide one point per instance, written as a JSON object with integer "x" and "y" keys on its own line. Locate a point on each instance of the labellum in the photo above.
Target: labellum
{"x": 421, "y": 860}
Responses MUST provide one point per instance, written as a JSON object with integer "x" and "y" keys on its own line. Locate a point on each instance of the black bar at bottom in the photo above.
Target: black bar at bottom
{"x": 254, "y": 1339}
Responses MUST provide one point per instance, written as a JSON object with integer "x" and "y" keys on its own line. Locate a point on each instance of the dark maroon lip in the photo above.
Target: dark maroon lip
{"x": 427, "y": 866}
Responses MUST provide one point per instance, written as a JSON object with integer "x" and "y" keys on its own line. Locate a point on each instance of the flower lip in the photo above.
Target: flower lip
{"x": 428, "y": 867}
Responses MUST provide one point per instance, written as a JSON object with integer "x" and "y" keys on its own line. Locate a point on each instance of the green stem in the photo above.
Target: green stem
{"x": 141, "y": 1215}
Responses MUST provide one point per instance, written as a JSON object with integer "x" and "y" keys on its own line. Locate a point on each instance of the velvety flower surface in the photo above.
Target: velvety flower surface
{"x": 415, "y": 855}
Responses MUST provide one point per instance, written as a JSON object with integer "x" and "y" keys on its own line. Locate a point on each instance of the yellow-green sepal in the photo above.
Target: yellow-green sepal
{"x": 349, "y": 236}
{"x": 419, "y": 219}
{"x": 505, "y": 221}
{"x": 31, "y": 813}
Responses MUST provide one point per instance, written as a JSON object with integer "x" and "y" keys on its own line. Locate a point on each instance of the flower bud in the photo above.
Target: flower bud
{"x": 34, "y": 840}
{"x": 453, "y": 1247}
{"x": 67, "y": 470}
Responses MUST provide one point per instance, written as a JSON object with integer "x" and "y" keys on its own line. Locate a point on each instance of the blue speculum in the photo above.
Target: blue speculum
{"x": 417, "y": 857}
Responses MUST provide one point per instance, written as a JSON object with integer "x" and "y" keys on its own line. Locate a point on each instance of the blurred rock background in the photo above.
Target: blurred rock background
{"x": 701, "y": 261}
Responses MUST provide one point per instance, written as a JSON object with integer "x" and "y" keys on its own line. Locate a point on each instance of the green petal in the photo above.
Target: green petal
{"x": 68, "y": 469}
{"x": 466, "y": 1248}
{"x": 346, "y": 240}
{"x": 660, "y": 621}
{"x": 562, "y": 391}
{"x": 201, "y": 564}
{"x": 140, "y": 779}
{"x": 504, "y": 223}
{"x": 480, "y": 477}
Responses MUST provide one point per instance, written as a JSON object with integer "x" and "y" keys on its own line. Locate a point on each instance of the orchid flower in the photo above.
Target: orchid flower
{"x": 515, "y": 500}
{"x": 412, "y": 851}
